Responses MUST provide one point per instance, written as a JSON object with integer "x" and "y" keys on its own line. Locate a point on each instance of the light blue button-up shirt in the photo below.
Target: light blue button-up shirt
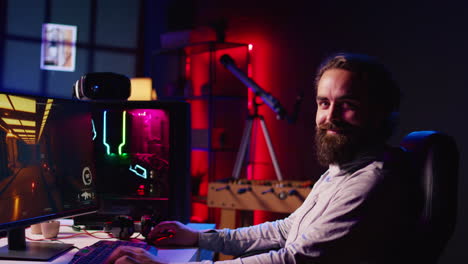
{"x": 340, "y": 217}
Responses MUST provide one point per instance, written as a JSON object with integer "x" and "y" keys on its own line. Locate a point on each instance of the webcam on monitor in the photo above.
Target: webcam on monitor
{"x": 102, "y": 86}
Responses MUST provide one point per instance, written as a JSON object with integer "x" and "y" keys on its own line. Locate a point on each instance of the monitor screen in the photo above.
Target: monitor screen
{"x": 46, "y": 160}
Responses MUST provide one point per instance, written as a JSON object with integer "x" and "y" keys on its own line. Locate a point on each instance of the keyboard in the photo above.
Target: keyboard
{"x": 99, "y": 251}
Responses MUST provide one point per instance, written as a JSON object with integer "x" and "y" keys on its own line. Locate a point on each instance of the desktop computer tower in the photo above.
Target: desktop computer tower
{"x": 142, "y": 151}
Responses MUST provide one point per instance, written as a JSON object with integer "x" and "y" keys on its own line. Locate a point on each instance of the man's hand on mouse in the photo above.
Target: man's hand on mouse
{"x": 173, "y": 233}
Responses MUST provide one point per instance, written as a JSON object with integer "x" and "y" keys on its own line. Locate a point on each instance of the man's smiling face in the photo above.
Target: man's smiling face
{"x": 343, "y": 116}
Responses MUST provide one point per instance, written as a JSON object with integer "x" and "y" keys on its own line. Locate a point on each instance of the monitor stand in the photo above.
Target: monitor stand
{"x": 18, "y": 249}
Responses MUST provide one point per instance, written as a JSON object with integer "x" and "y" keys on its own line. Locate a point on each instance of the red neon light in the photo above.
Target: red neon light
{"x": 199, "y": 114}
{"x": 142, "y": 186}
{"x": 33, "y": 185}
{"x": 250, "y": 94}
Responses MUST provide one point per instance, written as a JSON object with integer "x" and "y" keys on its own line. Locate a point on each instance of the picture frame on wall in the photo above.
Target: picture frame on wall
{"x": 58, "y": 48}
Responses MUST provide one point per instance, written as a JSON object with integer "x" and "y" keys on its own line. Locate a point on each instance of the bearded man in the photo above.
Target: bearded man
{"x": 352, "y": 214}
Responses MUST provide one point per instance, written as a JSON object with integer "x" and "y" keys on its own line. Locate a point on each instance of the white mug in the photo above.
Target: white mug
{"x": 50, "y": 229}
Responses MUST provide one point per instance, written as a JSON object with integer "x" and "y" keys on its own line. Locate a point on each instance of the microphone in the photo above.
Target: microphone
{"x": 269, "y": 99}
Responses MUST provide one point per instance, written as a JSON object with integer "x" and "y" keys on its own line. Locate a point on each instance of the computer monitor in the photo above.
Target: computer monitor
{"x": 142, "y": 159}
{"x": 46, "y": 168}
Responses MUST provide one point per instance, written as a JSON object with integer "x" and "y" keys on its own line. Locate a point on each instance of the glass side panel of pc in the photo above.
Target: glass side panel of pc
{"x": 133, "y": 147}
{"x": 142, "y": 151}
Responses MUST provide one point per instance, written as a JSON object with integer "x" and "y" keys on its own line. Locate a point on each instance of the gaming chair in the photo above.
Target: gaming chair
{"x": 435, "y": 158}
{"x": 429, "y": 160}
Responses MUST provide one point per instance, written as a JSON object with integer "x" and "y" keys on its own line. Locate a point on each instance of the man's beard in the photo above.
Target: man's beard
{"x": 339, "y": 148}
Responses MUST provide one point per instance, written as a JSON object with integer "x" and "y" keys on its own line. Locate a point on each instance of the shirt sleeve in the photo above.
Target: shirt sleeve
{"x": 334, "y": 235}
{"x": 269, "y": 235}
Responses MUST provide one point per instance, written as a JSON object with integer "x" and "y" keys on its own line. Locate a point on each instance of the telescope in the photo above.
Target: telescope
{"x": 269, "y": 99}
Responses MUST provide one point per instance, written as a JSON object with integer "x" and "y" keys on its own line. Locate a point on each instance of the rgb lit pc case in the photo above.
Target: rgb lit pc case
{"x": 142, "y": 158}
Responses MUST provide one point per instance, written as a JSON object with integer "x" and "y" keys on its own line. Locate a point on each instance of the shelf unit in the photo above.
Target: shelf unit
{"x": 218, "y": 109}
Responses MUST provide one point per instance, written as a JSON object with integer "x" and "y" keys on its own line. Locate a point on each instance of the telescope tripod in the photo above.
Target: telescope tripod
{"x": 247, "y": 140}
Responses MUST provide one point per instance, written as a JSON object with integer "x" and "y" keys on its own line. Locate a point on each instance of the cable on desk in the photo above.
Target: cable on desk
{"x": 85, "y": 232}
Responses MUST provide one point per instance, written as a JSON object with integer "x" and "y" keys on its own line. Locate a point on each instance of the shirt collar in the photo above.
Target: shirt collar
{"x": 362, "y": 159}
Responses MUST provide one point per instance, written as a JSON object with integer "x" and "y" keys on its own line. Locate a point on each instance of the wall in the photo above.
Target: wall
{"x": 107, "y": 40}
{"x": 423, "y": 43}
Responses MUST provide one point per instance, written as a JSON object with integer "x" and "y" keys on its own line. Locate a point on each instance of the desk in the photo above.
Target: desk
{"x": 170, "y": 255}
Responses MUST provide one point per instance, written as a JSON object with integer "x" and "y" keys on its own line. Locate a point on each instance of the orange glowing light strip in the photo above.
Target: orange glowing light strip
{"x": 44, "y": 117}
{"x": 26, "y": 137}
{"x": 22, "y": 130}
{"x": 23, "y": 104}
{"x": 4, "y": 102}
{"x": 26, "y": 134}
{"x": 16, "y": 207}
{"x": 28, "y": 123}
{"x": 11, "y": 121}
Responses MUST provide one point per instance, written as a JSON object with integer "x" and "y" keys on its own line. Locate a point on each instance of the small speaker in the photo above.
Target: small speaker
{"x": 102, "y": 86}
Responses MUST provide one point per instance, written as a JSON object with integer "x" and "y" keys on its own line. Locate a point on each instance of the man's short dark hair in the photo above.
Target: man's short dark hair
{"x": 382, "y": 90}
